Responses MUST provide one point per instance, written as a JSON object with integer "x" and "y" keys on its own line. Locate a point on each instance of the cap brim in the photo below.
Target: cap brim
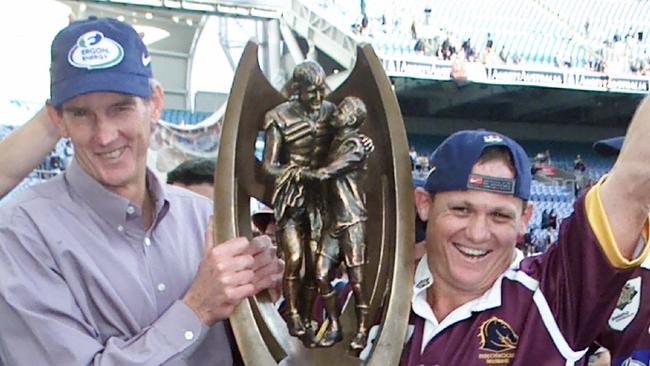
{"x": 263, "y": 211}
{"x": 105, "y": 81}
{"x": 611, "y": 146}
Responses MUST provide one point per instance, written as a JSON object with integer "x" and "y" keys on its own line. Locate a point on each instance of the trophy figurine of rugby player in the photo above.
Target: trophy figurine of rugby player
{"x": 336, "y": 171}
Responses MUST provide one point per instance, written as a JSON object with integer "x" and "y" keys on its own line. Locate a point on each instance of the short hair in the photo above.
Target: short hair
{"x": 499, "y": 153}
{"x": 307, "y": 73}
{"x": 496, "y": 153}
{"x": 193, "y": 171}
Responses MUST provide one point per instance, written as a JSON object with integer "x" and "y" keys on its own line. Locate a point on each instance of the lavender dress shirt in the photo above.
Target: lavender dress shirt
{"x": 83, "y": 283}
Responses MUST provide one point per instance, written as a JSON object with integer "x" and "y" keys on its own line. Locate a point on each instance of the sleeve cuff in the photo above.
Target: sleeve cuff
{"x": 180, "y": 327}
{"x": 603, "y": 232}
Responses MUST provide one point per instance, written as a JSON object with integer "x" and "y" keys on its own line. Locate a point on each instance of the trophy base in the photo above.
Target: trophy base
{"x": 321, "y": 357}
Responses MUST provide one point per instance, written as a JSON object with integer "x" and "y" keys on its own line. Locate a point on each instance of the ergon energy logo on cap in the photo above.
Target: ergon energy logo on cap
{"x": 95, "y": 51}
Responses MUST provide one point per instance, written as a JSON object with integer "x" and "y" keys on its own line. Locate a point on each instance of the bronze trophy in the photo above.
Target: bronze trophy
{"x": 336, "y": 172}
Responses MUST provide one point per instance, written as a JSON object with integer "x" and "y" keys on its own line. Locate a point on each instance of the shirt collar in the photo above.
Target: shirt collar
{"x": 159, "y": 197}
{"x": 646, "y": 264}
{"x": 114, "y": 208}
{"x": 424, "y": 279}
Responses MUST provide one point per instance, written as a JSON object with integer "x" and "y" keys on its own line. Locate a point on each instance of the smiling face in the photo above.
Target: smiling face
{"x": 311, "y": 96}
{"x": 308, "y": 85}
{"x": 110, "y": 133}
{"x": 471, "y": 234}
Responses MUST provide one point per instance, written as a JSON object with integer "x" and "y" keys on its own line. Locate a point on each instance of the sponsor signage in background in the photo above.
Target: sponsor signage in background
{"x": 426, "y": 68}
{"x": 418, "y": 69}
{"x": 525, "y": 76}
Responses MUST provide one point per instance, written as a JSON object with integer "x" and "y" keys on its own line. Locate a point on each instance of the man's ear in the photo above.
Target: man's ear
{"x": 525, "y": 218}
{"x": 422, "y": 203}
{"x": 56, "y": 117}
{"x": 157, "y": 103}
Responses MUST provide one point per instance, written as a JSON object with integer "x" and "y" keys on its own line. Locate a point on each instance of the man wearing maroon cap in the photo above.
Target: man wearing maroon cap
{"x": 476, "y": 300}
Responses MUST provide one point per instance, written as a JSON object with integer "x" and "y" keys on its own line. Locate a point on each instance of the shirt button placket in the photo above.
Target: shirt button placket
{"x": 147, "y": 241}
{"x": 189, "y": 335}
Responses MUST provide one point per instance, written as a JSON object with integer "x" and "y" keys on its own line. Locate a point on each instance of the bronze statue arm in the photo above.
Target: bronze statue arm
{"x": 351, "y": 155}
{"x": 272, "y": 144}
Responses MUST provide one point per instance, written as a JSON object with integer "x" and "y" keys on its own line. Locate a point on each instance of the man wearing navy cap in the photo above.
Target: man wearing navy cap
{"x": 476, "y": 300}
{"x": 626, "y": 335}
{"x": 105, "y": 264}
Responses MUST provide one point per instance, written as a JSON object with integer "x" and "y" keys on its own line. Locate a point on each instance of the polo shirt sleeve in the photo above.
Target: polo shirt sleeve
{"x": 603, "y": 232}
{"x": 42, "y": 324}
{"x": 581, "y": 277}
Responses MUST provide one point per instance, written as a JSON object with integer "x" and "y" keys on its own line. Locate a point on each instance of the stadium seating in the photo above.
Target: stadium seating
{"x": 541, "y": 41}
{"x": 534, "y": 31}
{"x": 605, "y": 21}
{"x": 182, "y": 116}
{"x": 600, "y": 21}
{"x": 547, "y": 197}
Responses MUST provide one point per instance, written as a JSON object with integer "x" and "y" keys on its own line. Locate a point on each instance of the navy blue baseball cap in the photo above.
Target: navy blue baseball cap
{"x": 610, "y": 146}
{"x": 98, "y": 54}
{"x": 451, "y": 165}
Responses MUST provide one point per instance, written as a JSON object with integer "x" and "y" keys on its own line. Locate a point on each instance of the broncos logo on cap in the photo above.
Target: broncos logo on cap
{"x": 492, "y": 139}
{"x": 497, "y": 336}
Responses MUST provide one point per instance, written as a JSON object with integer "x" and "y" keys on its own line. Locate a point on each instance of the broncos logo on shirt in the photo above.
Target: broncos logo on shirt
{"x": 627, "y": 295}
{"x": 496, "y": 335}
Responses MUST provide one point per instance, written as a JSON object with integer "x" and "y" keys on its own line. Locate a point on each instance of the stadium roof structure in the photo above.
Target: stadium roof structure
{"x": 514, "y": 103}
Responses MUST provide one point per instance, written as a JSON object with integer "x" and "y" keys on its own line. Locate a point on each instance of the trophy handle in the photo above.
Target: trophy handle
{"x": 260, "y": 331}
